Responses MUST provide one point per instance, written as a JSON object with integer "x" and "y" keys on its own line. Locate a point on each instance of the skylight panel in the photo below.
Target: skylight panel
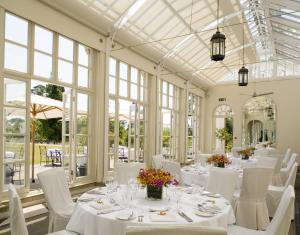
{"x": 129, "y": 13}
{"x": 292, "y": 15}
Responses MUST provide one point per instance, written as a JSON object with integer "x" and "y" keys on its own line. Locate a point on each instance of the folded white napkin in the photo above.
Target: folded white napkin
{"x": 101, "y": 205}
{"x": 97, "y": 191}
{"x": 162, "y": 218}
{"x": 158, "y": 209}
{"x": 87, "y": 198}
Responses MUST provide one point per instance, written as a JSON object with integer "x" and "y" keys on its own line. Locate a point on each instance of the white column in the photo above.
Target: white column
{"x": 106, "y": 100}
{"x": 2, "y": 20}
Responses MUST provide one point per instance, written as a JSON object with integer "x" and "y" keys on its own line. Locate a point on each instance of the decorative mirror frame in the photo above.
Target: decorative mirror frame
{"x": 273, "y": 116}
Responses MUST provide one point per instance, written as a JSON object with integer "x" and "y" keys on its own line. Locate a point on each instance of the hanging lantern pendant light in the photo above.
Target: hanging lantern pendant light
{"x": 243, "y": 72}
{"x": 217, "y": 43}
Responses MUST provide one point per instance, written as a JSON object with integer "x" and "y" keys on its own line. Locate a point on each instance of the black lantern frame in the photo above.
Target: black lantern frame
{"x": 243, "y": 72}
{"x": 217, "y": 46}
{"x": 217, "y": 43}
{"x": 243, "y": 76}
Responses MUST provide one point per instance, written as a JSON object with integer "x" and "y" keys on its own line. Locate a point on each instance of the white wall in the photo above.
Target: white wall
{"x": 287, "y": 99}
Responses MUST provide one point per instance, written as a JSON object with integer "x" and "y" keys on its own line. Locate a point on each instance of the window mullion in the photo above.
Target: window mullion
{"x": 55, "y": 57}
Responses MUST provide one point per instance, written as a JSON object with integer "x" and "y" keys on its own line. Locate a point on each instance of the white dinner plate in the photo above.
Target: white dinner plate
{"x": 204, "y": 213}
{"x": 214, "y": 195}
{"x": 205, "y": 193}
{"x": 125, "y": 215}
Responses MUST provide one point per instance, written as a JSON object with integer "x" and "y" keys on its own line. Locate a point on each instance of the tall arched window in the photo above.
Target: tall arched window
{"x": 223, "y": 128}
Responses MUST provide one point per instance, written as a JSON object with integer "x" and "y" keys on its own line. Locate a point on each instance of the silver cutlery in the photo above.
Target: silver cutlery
{"x": 109, "y": 211}
{"x": 183, "y": 215}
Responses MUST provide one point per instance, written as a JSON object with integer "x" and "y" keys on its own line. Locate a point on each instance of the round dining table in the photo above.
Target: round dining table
{"x": 198, "y": 175}
{"x": 102, "y": 211}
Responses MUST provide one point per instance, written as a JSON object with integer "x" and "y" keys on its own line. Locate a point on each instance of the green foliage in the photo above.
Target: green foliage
{"x": 166, "y": 137}
{"x": 226, "y": 134}
{"x": 15, "y": 125}
{"x": 49, "y": 130}
{"x": 123, "y": 133}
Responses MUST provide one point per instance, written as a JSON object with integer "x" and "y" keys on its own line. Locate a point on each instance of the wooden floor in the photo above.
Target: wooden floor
{"x": 39, "y": 224}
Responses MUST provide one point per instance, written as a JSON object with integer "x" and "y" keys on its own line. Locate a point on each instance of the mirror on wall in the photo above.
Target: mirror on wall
{"x": 259, "y": 121}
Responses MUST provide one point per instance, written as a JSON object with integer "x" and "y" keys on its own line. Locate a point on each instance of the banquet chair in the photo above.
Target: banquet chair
{"x": 174, "y": 168}
{"x": 287, "y": 157}
{"x": 267, "y": 162}
{"x": 127, "y": 171}
{"x": 276, "y": 179}
{"x": 286, "y": 171}
{"x": 174, "y": 230}
{"x": 58, "y": 197}
{"x": 202, "y": 157}
{"x": 281, "y": 221}
{"x": 275, "y": 192}
{"x": 251, "y": 208}
{"x": 222, "y": 181}
{"x": 16, "y": 215}
{"x": 157, "y": 161}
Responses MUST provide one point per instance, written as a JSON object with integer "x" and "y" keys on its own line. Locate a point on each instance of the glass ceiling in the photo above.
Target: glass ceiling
{"x": 166, "y": 27}
{"x": 274, "y": 26}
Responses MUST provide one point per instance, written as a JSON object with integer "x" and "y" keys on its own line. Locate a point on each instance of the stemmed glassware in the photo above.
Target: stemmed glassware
{"x": 177, "y": 193}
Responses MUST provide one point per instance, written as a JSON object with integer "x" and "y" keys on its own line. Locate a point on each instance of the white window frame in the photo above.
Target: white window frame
{"x": 28, "y": 77}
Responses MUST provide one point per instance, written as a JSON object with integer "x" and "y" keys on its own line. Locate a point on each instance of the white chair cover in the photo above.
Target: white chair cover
{"x": 16, "y": 216}
{"x": 17, "y": 219}
{"x": 222, "y": 181}
{"x": 267, "y": 162}
{"x": 287, "y": 157}
{"x": 174, "y": 168}
{"x": 174, "y": 230}
{"x": 282, "y": 219}
{"x": 284, "y": 172}
{"x": 281, "y": 222}
{"x": 202, "y": 157}
{"x": 58, "y": 197}
{"x": 251, "y": 208}
{"x": 274, "y": 193}
{"x": 276, "y": 180}
{"x": 127, "y": 171}
{"x": 157, "y": 161}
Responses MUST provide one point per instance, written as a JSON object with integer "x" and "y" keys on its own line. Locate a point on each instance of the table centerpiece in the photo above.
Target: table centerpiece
{"x": 218, "y": 160}
{"x": 154, "y": 180}
{"x": 246, "y": 153}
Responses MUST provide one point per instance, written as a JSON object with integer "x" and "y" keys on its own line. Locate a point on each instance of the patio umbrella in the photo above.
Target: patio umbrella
{"x": 42, "y": 108}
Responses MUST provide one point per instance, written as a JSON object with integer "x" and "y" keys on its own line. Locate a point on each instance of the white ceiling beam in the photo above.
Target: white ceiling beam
{"x": 288, "y": 56}
{"x": 288, "y": 50}
{"x": 205, "y": 44}
{"x": 269, "y": 26}
{"x": 292, "y": 5}
{"x": 283, "y": 21}
{"x": 285, "y": 38}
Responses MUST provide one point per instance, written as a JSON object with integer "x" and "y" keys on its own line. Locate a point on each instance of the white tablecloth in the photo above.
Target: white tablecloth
{"x": 86, "y": 221}
{"x": 199, "y": 175}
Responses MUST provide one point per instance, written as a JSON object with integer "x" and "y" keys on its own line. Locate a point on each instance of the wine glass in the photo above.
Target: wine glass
{"x": 177, "y": 193}
{"x": 108, "y": 181}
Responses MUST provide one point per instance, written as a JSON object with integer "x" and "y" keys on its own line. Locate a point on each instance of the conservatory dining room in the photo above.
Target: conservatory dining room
{"x": 149, "y": 117}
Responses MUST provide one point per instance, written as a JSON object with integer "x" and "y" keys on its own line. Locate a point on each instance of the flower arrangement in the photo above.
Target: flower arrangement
{"x": 155, "y": 179}
{"x": 268, "y": 144}
{"x": 219, "y": 160}
{"x": 246, "y": 153}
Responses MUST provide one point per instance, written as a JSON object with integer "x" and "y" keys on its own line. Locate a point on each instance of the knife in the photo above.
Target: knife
{"x": 183, "y": 215}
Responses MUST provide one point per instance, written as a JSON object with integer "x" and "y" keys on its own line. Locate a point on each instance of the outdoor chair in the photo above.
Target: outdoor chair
{"x": 44, "y": 157}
